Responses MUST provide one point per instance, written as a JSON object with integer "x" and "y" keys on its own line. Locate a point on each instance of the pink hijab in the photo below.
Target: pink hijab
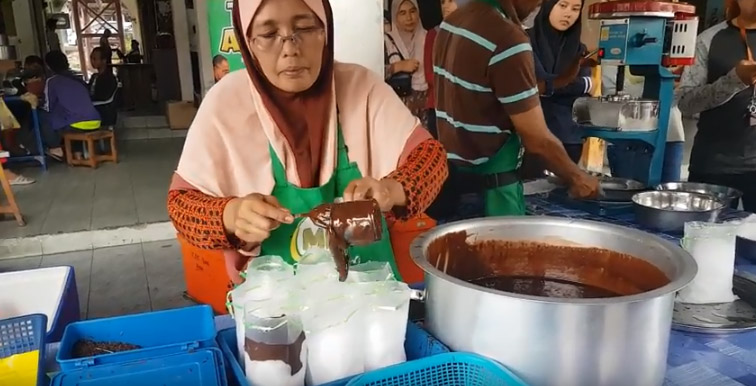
{"x": 226, "y": 150}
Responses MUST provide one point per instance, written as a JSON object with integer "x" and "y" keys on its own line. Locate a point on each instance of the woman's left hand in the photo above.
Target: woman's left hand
{"x": 387, "y": 192}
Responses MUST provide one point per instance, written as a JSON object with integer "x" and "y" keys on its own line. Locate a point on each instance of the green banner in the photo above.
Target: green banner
{"x": 222, "y": 37}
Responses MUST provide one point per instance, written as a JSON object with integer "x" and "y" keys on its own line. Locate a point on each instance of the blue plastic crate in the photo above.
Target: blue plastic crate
{"x": 42, "y": 282}
{"x": 453, "y": 369}
{"x": 203, "y": 367}
{"x": 418, "y": 344}
{"x": 24, "y": 334}
{"x": 157, "y": 333}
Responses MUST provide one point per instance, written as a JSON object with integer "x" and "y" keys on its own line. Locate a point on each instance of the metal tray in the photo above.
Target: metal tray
{"x": 722, "y": 318}
{"x": 613, "y": 189}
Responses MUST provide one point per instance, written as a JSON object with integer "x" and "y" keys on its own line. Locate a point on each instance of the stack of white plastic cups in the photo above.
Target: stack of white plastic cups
{"x": 385, "y": 309}
{"x": 713, "y": 247}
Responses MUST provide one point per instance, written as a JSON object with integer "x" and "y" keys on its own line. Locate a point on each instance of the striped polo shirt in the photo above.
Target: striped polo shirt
{"x": 483, "y": 72}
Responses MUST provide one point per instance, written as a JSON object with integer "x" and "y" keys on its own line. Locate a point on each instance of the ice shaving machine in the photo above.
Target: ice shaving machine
{"x": 649, "y": 37}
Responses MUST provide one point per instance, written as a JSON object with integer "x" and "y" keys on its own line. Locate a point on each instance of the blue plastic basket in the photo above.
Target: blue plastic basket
{"x": 452, "y": 369}
{"x": 25, "y": 334}
{"x": 157, "y": 333}
{"x": 203, "y": 367}
{"x": 418, "y": 344}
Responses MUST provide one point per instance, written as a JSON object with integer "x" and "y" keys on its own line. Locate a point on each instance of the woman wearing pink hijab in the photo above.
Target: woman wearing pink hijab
{"x": 404, "y": 45}
{"x": 292, "y": 132}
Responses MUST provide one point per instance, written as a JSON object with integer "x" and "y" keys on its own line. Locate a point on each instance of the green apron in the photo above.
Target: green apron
{"x": 506, "y": 200}
{"x": 291, "y": 241}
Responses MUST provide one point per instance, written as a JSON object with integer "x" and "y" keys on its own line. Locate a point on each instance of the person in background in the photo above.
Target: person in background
{"x": 719, "y": 87}
{"x": 14, "y": 179}
{"x": 487, "y": 107}
{"x": 558, "y": 53}
{"x": 53, "y": 41}
{"x": 220, "y": 67}
{"x": 33, "y": 92}
{"x": 102, "y": 88}
{"x": 283, "y": 148}
{"x": 34, "y": 76}
{"x": 67, "y": 106}
{"x": 107, "y": 50}
{"x": 404, "y": 47}
{"x": 447, "y": 7}
{"x": 134, "y": 56}
{"x": 620, "y": 163}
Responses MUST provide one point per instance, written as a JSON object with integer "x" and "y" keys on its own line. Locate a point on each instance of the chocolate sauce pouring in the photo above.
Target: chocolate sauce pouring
{"x": 348, "y": 223}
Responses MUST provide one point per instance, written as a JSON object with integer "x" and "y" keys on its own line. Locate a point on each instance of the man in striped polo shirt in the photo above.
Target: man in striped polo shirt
{"x": 488, "y": 105}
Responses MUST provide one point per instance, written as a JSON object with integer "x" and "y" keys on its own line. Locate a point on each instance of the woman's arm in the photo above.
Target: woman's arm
{"x": 695, "y": 93}
{"x": 421, "y": 173}
{"x": 197, "y": 217}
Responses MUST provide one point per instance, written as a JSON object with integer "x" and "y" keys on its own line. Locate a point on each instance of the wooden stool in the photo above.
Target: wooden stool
{"x": 11, "y": 208}
{"x": 89, "y": 138}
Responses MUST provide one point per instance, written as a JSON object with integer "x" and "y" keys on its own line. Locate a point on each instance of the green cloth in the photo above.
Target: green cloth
{"x": 507, "y": 200}
{"x": 291, "y": 241}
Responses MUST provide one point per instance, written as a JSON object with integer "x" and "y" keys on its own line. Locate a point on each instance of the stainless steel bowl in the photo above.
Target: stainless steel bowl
{"x": 668, "y": 211}
{"x": 617, "y": 113}
{"x": 725, "y": 194}
{"x": 620, "y": 341}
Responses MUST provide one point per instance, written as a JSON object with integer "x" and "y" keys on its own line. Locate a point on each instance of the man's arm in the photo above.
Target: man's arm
{"x": 538, "y": 140}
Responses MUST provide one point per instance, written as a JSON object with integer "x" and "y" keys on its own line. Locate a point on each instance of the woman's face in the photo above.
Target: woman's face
{"x": 407, "y": 17}
{"x": 564, "y": 14}
{"x": 447, "y": 7}
{"x": 287, "y": 40}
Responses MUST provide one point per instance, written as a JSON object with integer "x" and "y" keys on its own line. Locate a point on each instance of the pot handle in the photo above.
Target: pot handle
{"x": 416, "y": 294}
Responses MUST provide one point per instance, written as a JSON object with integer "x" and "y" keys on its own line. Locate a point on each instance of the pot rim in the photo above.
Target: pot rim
{"x": 685, "y": 262}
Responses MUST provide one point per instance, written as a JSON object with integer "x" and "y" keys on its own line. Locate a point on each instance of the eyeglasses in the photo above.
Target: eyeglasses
{"x": 274, "y": 42}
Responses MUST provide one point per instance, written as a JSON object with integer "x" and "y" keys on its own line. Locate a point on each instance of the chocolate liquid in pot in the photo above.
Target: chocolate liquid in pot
{"x": 288, "y": 353}
{"x": 543, "y": 269}
{"x": 540, "y": 286}
{"x": 348, "y": 223}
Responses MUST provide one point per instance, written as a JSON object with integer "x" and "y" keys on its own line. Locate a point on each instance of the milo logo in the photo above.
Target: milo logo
{"x": 307, "y": 235}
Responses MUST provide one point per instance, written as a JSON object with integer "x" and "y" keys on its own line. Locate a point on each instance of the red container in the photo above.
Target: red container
{"x": 402, "y": 234}
{"x": 205, "y": 274}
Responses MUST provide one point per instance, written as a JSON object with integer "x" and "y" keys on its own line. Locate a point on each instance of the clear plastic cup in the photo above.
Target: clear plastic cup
{"x": 275, "y": 348}
{"x": 385, "y": 313}
{"x": 335, "y": 340}
{"x": 316, "y": 265}
{"x": 370, "y": 271}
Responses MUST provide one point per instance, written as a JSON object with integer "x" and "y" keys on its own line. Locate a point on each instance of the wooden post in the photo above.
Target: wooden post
{"x": 11, "y": 207}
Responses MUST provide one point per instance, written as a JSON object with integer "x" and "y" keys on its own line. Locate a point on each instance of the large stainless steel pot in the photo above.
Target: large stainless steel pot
{"x": 583, "y": 342}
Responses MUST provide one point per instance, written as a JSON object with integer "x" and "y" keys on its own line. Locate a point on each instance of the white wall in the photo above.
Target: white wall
{"x": 181, "y": 34}
{"x": 358, "y": 26}
{"x": 25, "y": 40}
{"x": 358, "y": 29}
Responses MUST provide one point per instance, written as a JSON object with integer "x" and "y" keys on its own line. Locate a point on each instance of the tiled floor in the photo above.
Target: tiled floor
{"x": 120, "y": 280}
{"x": 67, "y": 199}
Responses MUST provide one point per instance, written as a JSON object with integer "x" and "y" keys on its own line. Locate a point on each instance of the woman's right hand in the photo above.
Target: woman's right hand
{"x": 746, "y": 71}
{"x": 408, "y": 65}
{"x": 253, "y": 217}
